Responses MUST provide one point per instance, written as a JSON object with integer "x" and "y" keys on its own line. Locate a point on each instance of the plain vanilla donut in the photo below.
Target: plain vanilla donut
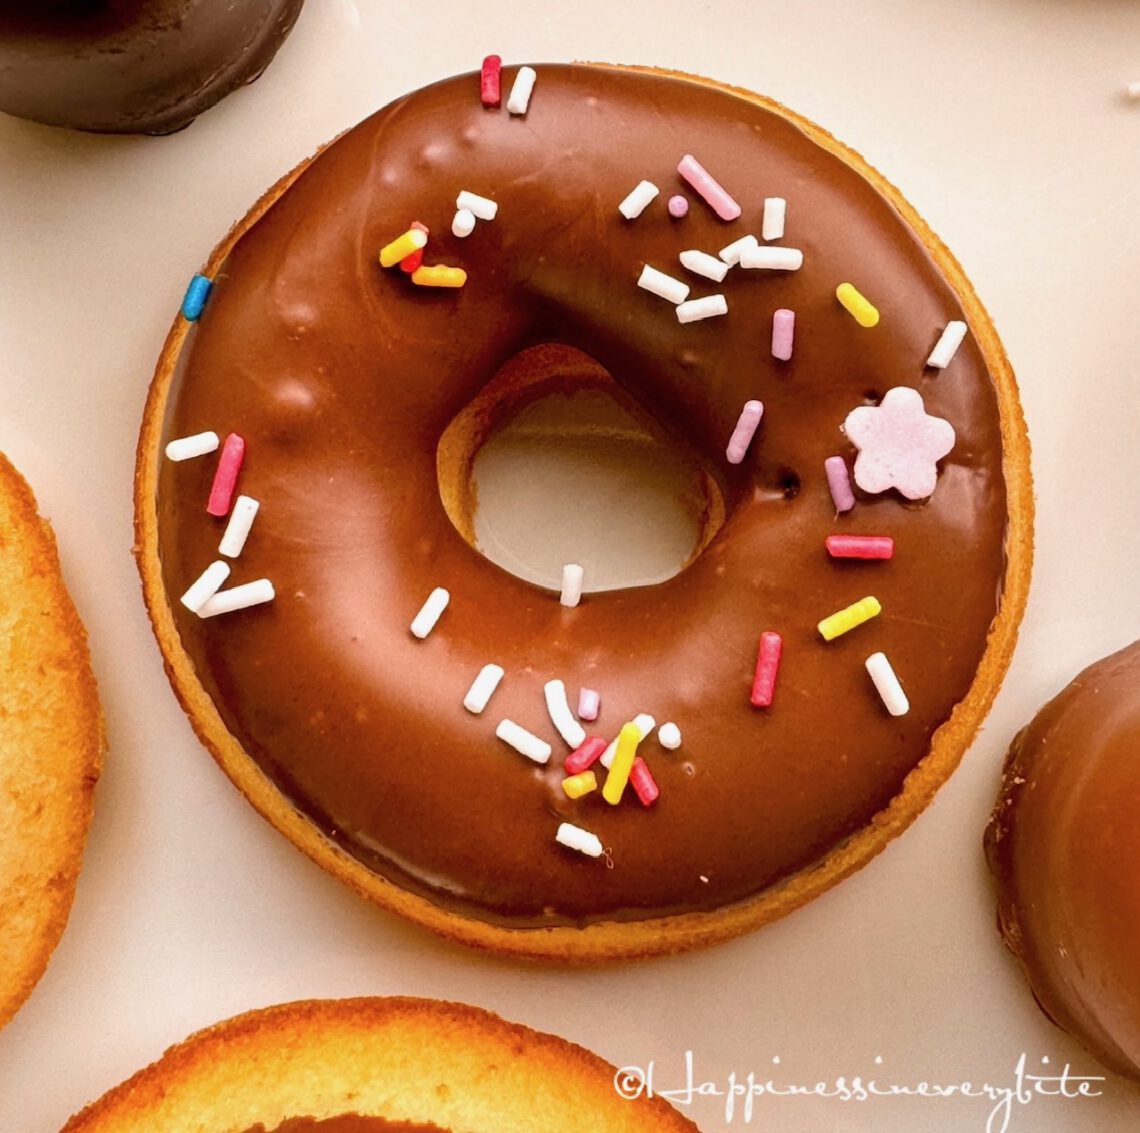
{"x": 349, "y": 733}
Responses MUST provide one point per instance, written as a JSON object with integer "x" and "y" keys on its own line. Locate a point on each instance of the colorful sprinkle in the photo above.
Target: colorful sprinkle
{"x": 558, "y": 707}
{"x": 238, "y": 529}
{"x": 767, "y": 668}
{"x": 424, "y": 622}
{"x": 439, "y": 276}
{"x": 857, "y": 306}
{"x": 490, "y": 80}
{"x": 482, "y": 688}
{"x": 638, "y": 199}
{"x": 775, "y": 210}
{"x": 839, "y": 481}
{"x": 524, "y": 742}
{"x": 462, "y": 223}
{"x": 572, "y": 578}
{"x": 845, "y": 620}
{"x": 669, "y": 736}
{"x": 589, "y": 704}
{"x": 770, "y": 257}
{"x": 194, "y": 301}
{"x": 581, "y": 784}
{"x": 404, "y": 245}
{"x": 585, "y": 755}
{"x": 745, "y": 430}
{"x": 703, "y": 264}
{"x": 186, "y": 448}
{"x": 783, "y": 333}
{"x": 628, "y": 739}
{"x": 708, "y": 187}
{"x": 887, "y": 684}
{"x": 678, "y": 206}
{"x": 575, "y": 838}
{"x": 860, "y": 546}
{"x": 658, "y": 283}
{"x": 947, "y": 346}
{"x": 482, "y": 207}
{"x": 731, "y": 253}
{"x": 645, "y": 725}
{"x": 238, "y": 598}
{"x": 412, "y": 261}
{"x": 519, "y": 100}
{"x": 705, "y": 308}
{"x": 642, "y": 781}
{"x": 226, "y": 476}
{"x": 208, "y": 583}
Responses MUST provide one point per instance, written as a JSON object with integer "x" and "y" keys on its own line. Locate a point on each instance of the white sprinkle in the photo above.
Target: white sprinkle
{"x": 187, "y": 447}
{"x": 638, "y": 200}
{"x": 578, "y": 839}
{"x": 482, "y": 688}
{"x": 1134, "y": 89}
{"x": 238, "y": 528}
{"x": 645, "y": 724}
{"x": 887, "y": 684}
{"x": 424, "y": 622}
{"x": 524, "y": 742}
{"x": 658, "y": 283}
{"x": 704, "y": 264}
{"x": 947, "y": 346}
{"x": 772, "y": 258}
{"x": 731, "y": 254}
{"x": 669, "y": 736}
{"x": 561, "y": 716}
{"x": 483, "y": 208}
{"x": 775, "y": 209}
{"x": 206, "y": 586}
{"x": 572, "y": 576}
{"x": 704, "y": 308}
{"x": 462, "y": 223}
{"x": 238, "y": 598}
{"x": 521, "y": 91}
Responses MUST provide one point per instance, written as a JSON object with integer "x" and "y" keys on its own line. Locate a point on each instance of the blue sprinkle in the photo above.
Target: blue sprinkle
{"x": 196, "y": 295}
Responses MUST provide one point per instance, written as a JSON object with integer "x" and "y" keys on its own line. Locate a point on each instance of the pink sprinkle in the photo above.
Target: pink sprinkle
{"x": 860, "y": 546}
{"x": 783, "y": 331}
{"x": 589, "y": 703}
{"x": 490, "y": 89}
{"x": 225, "y": 479}
{"x": 413, "y": 260}
{"x": 678, "y": 206}
{"x": 744, "y": 432}
{"x": 643, "y": 783}
{"x": 585, "y": 755}
{"x": 839, "y": 481}
{"x": 708, "y": 187}
{"x": 767, "y": 666}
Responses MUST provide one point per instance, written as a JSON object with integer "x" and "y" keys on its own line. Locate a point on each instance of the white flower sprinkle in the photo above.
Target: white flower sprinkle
{"x": 424, "y": 622}
{"x": 524, "y": 742}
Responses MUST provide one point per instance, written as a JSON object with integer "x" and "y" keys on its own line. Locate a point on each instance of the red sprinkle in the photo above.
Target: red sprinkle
{"x": 860, "y": 546}
{"x": 225, "y": 479}
{"x": 642, "y": 781}
{"x": 585, "y": 755}
{"x": 490, "y": 83}
{"x": 767, "y": 666}
{"x": 412, "y": 261}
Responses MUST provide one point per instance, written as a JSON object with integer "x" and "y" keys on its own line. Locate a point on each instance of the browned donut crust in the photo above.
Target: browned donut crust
{"x": 419, "y": 1061}
{"x": 51, "y": 743}
{"x": 611, "y": 939}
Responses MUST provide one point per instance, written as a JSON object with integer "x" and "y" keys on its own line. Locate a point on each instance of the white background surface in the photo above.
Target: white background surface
{"x": 1003, "y": 122}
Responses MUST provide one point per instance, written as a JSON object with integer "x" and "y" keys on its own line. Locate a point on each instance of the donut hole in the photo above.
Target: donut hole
{"x": 553, "y": 463}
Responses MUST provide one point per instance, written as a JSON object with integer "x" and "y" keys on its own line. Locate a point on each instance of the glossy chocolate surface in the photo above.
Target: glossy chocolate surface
{"x": 133, "y": 66}
{"x": 1063, "y": 845}
{"x": 347, "y": 1123}
{"x": 341, "y": 377}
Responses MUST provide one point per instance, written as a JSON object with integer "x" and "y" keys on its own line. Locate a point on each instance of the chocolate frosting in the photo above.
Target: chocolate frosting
{"x": 342, "y": 376}
{"x": 347, "y": 1123}
{"x": 133, "y": 66}
{"x": 1062, "y": 845}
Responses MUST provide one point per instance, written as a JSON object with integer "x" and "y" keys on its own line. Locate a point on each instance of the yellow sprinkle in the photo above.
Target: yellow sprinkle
{"x": 855, "y": 615}
{"x": 576, "y": 786}
{"x": 412, "y": 241}
{"x": 439, "y": 276}
{"x": 628, "y": 739}
{"x": 863, "y": 312}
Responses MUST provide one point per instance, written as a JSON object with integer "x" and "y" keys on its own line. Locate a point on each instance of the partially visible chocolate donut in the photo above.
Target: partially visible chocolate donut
{"x": 1063, "y": 844}
{"x": 133, "y": 66}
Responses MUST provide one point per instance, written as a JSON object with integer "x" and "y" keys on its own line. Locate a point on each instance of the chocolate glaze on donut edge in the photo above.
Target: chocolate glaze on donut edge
{"x": 342, "y": 378}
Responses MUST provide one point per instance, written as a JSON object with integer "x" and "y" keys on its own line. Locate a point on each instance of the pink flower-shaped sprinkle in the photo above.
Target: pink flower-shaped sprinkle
{"x": 899, "y": 444}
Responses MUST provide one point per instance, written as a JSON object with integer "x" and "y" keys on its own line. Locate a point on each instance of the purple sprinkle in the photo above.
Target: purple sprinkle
{"x": 783, "y": 330}
{"x": 840, "y": 483}
{"x": 678, "y": 206}
{"x": 589, "y": 702}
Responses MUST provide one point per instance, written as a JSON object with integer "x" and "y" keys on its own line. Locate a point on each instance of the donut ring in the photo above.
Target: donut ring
{"x": 409, "y": 1065}
{"x": 367, "y": 761}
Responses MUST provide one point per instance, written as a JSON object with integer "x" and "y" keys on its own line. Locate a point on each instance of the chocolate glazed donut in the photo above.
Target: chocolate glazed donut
{"x": 350, "y": 734}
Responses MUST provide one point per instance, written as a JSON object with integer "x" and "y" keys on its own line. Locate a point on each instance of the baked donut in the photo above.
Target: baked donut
{"x": 51, "y": 744}
{"x": 366, "y": 1065}
{"x": 1062, "y": 844}
{"x": 343, "y": 380}
{"x": 133, "y": 66}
